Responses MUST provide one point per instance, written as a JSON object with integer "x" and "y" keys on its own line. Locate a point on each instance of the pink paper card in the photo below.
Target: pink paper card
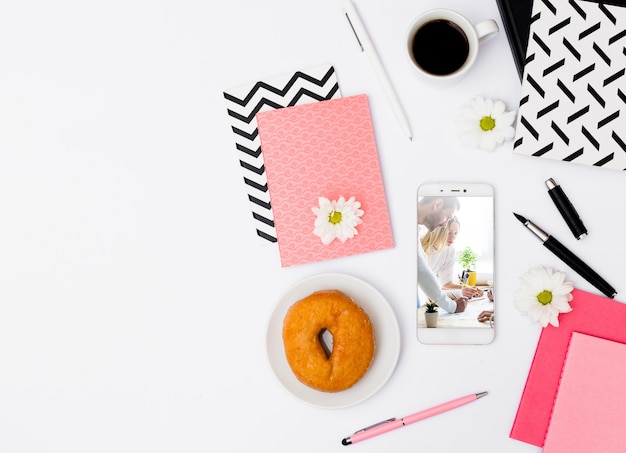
{"x": 325, "y": 149}
{"x": 592, "y": 315}
{"x": 590, "y": 409}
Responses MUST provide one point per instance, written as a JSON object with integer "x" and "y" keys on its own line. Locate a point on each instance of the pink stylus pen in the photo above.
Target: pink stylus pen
{"x": 394, "y": 423}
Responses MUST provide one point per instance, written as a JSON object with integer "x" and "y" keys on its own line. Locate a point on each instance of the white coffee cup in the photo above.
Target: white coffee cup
{"x": 442, "y": 44}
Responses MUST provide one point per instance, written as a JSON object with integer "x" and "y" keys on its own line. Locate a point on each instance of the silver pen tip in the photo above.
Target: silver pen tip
{"x": 481, "y": 394}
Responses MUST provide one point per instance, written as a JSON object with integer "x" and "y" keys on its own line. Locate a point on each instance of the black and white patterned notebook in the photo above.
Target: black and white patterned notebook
{"x": 573, "y": 103}
{"x": 244, "y": 102}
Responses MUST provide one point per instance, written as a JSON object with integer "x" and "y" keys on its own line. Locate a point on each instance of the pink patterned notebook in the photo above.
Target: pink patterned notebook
{"x": 589, "y": 413}
{"x": 325, "y": 149}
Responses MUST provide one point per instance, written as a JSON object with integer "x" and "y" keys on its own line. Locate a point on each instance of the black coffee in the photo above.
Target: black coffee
{"x": 440, "y": 47}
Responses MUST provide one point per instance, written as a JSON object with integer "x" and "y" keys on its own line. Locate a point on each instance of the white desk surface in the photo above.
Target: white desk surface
{"x": 133, "y": 291}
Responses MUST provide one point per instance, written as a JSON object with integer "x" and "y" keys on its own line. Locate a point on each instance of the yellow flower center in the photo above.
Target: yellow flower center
{"x": 487, "y": 123}
{"x": 334, "y": 217}
{"x": 544, "y": 297}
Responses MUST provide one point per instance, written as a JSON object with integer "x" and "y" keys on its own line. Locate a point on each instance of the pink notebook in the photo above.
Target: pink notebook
{"x": 589, "y": 413}
{"x": 592, "y": 315}
{"x": 325, "y": 149}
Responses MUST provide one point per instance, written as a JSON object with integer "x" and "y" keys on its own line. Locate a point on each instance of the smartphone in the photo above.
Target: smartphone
{"x": 455, "y": 272}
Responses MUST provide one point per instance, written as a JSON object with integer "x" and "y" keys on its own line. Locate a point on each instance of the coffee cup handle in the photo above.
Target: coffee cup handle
{"x": 486, "y": 29}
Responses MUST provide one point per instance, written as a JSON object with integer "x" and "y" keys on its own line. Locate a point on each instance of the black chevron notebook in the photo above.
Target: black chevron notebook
{"x": 573, "y": 101}
{"x": 244, "y": 102}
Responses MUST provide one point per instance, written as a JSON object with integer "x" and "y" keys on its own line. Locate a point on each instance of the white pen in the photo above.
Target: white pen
{"x": 368, "y": 47}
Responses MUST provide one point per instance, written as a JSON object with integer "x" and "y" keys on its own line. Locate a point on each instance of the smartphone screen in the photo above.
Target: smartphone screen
{"x": 455, "y": 272}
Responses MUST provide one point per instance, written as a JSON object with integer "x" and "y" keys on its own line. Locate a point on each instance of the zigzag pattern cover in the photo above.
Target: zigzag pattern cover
{"x": 244, "y": 102}
{"x": 573, "y": 103}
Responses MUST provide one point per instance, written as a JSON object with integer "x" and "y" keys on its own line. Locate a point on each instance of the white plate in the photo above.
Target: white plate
{"x": 386, "y": 331}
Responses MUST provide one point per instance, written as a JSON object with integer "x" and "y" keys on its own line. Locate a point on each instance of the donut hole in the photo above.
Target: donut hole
{"x": 326, "y": 340}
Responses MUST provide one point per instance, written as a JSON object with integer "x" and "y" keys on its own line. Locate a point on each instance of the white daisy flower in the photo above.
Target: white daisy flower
{"x": 485, "y": 124}
{"x": 543, "y": 295}
{"x": 337, "y": 219}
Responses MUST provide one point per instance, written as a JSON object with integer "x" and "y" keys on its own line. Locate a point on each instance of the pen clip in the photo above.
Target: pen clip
{"x": 355, "y": 33}
{"x": 375, "y": 424}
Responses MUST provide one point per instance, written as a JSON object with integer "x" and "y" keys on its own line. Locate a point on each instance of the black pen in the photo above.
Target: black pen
{"x": 565, "y": 255}
{"x": 566, "y": 208}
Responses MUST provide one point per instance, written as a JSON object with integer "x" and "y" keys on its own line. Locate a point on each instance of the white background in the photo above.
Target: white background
{"x": 134, "y": 294}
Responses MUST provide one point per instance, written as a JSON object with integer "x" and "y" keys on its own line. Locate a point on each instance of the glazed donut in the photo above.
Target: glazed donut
{"x": 353, "y": 342}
